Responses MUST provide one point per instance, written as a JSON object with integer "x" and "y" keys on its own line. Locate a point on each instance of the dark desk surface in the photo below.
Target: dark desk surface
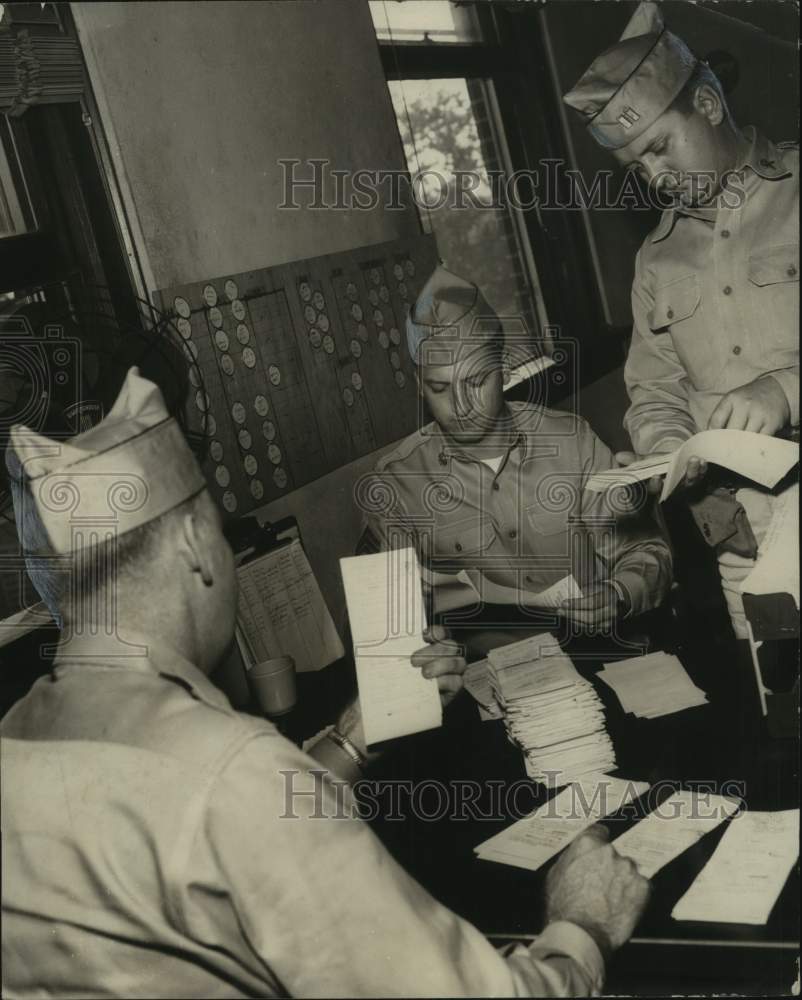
{"x": 721, "y": 747}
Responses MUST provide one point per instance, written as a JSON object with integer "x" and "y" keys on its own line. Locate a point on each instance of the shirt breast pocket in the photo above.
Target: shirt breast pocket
{"x": 677, "y": 312}
{"x": 461, "y": 540}
{"x": 774, "y": 281}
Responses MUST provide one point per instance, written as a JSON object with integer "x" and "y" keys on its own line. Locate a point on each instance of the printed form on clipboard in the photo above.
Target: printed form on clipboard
{"x": 282, "y": 611}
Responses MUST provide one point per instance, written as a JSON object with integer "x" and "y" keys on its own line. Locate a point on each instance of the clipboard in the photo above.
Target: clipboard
{"x": 281, "y": 610}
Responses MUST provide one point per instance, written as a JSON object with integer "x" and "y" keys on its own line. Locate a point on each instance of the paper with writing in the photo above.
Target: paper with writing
{"x": 674, "y": 826}
{"x": 749, "y": 867}
{"x": 385, "y": 608}
{"x": 532, "y": 841}
{"x": 282, "y": 611}
{"x": 652, "y": 685}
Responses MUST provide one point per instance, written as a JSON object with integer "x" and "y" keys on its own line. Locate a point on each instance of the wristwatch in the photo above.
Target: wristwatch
{"x": 347, "y": 747}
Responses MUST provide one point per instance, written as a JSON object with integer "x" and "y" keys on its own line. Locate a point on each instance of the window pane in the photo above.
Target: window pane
{"x": 423, "y": 21}
{"x": 449, "y": 145}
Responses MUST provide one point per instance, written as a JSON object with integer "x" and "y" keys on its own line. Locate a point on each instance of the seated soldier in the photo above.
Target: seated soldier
{"x": 492, "y": 494}
{"x": 149, "y": 849}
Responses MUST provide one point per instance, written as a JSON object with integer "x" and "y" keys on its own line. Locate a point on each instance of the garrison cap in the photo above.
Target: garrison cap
{"x": 449, "y": 309}
{"x": 633, "y": 82}
{"x": 129, "y": 469}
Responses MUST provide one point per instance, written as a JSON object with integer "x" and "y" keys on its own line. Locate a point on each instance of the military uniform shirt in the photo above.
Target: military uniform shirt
{"x": 518, "y": 526}
{"x": 715, "y": 301}
{"x": 152, "y": 847}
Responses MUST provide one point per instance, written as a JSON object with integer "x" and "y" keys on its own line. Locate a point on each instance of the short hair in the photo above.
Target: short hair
{"x": 702, "y": 76}
{"x": 65, "y": 582}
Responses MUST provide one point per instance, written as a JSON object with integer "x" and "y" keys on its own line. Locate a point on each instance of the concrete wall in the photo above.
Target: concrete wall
{"x": 199, "y": 101}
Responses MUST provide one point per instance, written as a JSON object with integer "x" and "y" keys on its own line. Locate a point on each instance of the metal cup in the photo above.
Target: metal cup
{"x": 273, "y": 685}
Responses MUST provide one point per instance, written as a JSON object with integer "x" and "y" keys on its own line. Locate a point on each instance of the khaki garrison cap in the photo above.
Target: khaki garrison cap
{"x": 131, "y": 468}
{"x": 449, "y": 309}
{"x": 633, "y": 82}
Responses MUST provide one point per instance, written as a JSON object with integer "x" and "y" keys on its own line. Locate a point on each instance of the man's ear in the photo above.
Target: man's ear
{"x": 707, "y": 101}
{"x": 196, "y": 551}
{"x": 417, "y": 381}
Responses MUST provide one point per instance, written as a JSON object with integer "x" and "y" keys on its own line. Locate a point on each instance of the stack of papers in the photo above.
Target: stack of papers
{"x": 550, "y": 712}
{"x": 477, "y": 682}
{"x": 652, "y": 685}
{"x": 674, "y": 826}
{"x": 741, "y": 882}
{"x": 532, "y": 841}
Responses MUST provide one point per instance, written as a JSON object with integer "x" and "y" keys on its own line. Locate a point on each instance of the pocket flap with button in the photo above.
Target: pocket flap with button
{"x": 675, "y": 302}
{"x": 463, "y": 537}
{"x": 774, "y": 264}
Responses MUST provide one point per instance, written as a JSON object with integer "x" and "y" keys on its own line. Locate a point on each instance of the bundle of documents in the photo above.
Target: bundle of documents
{"x": 532, "y": 841}
{"x": 550, "y": 712}
{"x": 763, "y": 459}
{"x": 742, "y": 880}
{"x": 385, "y": 608}
{"x": 652, "y": 685}
{"x": 477, "y": 682}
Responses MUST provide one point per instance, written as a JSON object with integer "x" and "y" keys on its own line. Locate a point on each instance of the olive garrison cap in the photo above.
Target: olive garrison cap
{"x": 632, "y": 83}
{"x": 448, "y": 309}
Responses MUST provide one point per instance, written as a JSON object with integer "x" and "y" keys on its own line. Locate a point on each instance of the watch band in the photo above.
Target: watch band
{"x": 347, "y": 747}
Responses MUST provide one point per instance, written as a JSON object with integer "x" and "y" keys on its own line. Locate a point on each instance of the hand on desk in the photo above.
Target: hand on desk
{"x": 592, "y": 886}
{"x": 441, "y": 659}
{"x": 599, "y": 608}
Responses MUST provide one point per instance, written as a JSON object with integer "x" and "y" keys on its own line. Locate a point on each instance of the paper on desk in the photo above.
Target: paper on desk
{"x": 759, "y": 457}
{"x": 532, "y": 841}
{"x": 282, "y": 610}
{"x": 385, "y": 608}
{"x": 777, "y": 568}
{"x": 674, "y": 826}
{"x": 652, "y": 685}
{"x": 749, "y": 867}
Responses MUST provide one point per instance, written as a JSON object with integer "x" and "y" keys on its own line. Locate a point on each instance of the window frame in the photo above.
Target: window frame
{"x": 512, "y": 58}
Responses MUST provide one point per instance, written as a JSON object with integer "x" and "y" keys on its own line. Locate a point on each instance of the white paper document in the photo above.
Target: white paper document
{"x": 749, "y": 867}
{"x": 532, "y": 841}
{"x": 282, "y": 611}
{"x": 385, "y": 608}
{"x": 674, "y": 826}
{"x": 652, "y": 685}
{"x": 469, "y": 587}
{"x": 759, "y": 457}
{"x": 777, "y": 568}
